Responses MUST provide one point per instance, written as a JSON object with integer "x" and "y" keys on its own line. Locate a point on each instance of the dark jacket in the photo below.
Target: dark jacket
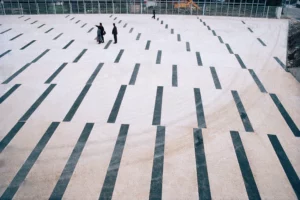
{"x": 102, "y": 30}
{"x": 114, "y": 31}
{"x": 153, "y": 12}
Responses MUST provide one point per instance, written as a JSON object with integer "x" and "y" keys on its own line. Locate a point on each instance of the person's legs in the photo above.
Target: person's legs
{"x": 102, "y": 38}
{"x": 115, "y": 38}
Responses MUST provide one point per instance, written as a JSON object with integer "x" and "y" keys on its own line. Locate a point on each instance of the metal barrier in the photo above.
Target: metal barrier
{"x": 211, "y": 8}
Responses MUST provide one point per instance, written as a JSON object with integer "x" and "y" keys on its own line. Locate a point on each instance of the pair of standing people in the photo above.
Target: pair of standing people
{"x": 101, "y": 32}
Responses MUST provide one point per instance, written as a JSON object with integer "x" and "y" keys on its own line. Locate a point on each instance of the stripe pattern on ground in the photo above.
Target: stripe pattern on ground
{"x": 138, "y": 36}
{"x": 90, "y": 30}
{"x": 199, "y": 61}
{"x": 229, "y": 49}
{"x": 50, "y": 79}
{"x": 280, "y": 63}
{"x": 240, "y": 61}
{"x": 214, "y": 33}
{"x": 125, "y": 25}
{"x": 10, "y": 135}
{"x": 158, "y": 106}
{"x": 174, "y": 76}
{"x": 220, "y": 39}
{"x": 158, "y": 57}
{"x": 49, "y": 30}
{"x": 40, "y": 56}
{"x": 14, "y": 75}
{"x": 9, "y": 92}
{"x": 250, "y": 30}
{"x": 148, "y": 45}
{"x": 41, "y": 26}
{"x": 79, "y": 56}
{"x": 172, "y": 31}
{"x": 199, "y": 109}
{"x": 134, "y": 74}
{"x": 178, "y": 38}
{"x": 188, "y": 48}
{"x": 215, "y": 78}
{"x": 130, "y": 31}
{"x": 67, "y": 45}
{"x": 107, "y": 45}
{"x": 57, "y": 36}
{"x": 5, "y": 31}
{"x": 6, "y": 52}
{"x": 261, "y": 42}
{"x": 16, "y": 37}
{"x": 95, "y": 73}
{"x": 116, "y": 107}
{"x": 257, "y": 81}
{"x": 83, "y": 25}
{"x": 27, "y": 45}
{"x": 119, "y": 56}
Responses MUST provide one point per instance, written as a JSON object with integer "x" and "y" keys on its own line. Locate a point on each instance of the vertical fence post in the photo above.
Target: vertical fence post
{"x": 256, "y": 8}
{"x": 240, "y": 8}
{"x": 264, "y": 8}
{"x": 267, "y": 12}
{"x": 233, "y": 8}
{"x": 227, "y": 8}
{"x": 251, "y": 8}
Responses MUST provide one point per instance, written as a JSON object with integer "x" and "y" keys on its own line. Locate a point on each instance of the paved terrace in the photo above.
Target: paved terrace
{"x": 183, "y": 107}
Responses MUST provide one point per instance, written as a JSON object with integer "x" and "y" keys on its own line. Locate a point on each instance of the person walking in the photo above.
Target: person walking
{"x": 115, "y": 33}
{"x": 99, "y": 34}
{"x": 153, "y": 17}
{"x": 102, "y": 32}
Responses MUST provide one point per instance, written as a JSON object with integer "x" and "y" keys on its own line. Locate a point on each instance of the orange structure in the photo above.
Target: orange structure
{"x": 186, "y": 4}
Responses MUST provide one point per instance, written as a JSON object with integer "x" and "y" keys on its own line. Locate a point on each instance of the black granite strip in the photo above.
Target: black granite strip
{"x": 286, "y": 164}
{"x": 120, "y": 21}
{"x": 158, "y": 106}
{"x": 19, "y": 178}
{"x": 240, "y": 61}
{"x": 215, "y": 78}
{"x": 262, "y": 43}
{"x": 178, "y": 38}
{"x": 130, "y": 31}
{"x": 200, "y": 20}
{"x": 77, "y": 22}
{"x": 79, "y": 56}
{"x": 69, "y": 168}
{"x": 242, "y": 111}
{"x": 162, "y": 22}
{"x": 285, "y": 115}
{"x": 174, "y": 76}
{"x": 27, "y": 45}
{"x": 166, "y": 26}
{"x": 34, "y": 22}
{"x": 41, "y": 26}
{"x": 204, "y": 23}
{"x": 158, "y": 164}
{"x": 40, "y": 56}
{"x": 110, "y": 16}
{"x": 107, "y": 45}
{"x": 114, "y": 165}
{"x": 115, "y": 18}
{"x": 250, "y": 30}
{"x": 10, "y": 135}
{"x": 16, "y": 37}
{"x": 21, "y": 17}
{"x": 116, "y": 107}
{"x": 90, "y": 30}
{"x": 158, "y": 57}
{"x": 57, "y": 36}
{"x": 148, "y": 45}
{"x": 257, "y": 81}
{"x": 95, "y": 73}
{"x": 6, "y": 52}
{"x": 49, "y": 30}
{"x": 199, "y": 109}
{"x": 77, "y": 103}
{"x": 27, "y": 19}
{"x": 125, "y": 25}
{"x": 67, "y": 16}
{"x": 50, "y": 79}
{"x": 9, "y": 92}
{"x": 138, "y": 36}
{"x": 243, "y": 22}
{"x": 83, "y": 25}
{"x": 157, "y": 19}
{"x": 199, "y": 61}
{"x": 119, "y": 56}
{"x": 37, "y": 103}
{"x": 172, "y": 31}
{"x": 188, "y": 48}
{"x": 67, "y": 45}
{"x": 250, "y": 184}
{"x": 72, "y": 18}
{"x": 220, "y": 39}
{"x": 214, "y": 33}
{"x": 208, "y": 28}
{"x": 280, "y": 63}
{"x": 201, "y": 167}
{"x": 134, "y": 74}
{"x": 229, "y": 49}
{"x": 14, "y": 75}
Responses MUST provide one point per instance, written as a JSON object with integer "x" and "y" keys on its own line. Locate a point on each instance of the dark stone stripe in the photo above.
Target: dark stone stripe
{"x": 178, "y": 38}
{"x": 199, "y": 109}
{"x": 40, "y": 56}
{"x": 90, "y": 30}
{"x": 49, "y": 30}
{"x": 6, "y": 52}
{"x": 120, "y": 21}
{"x": 251, "y": 188}
{"x": 125, "y": 25}
{"x": 50, "y": 79}
{"x": 138, "y": 36}
{"x": 199, "y": 61}
{"x": 257, "y": 81}
{"x": 67, "y": 16}
{"x": 172, "y": 31}
{"x": 174, "y": 76}
{"x": 220, "y": 39}
{"x": 200, "y": 20}
{"x": 21, "y": 17}
{"x": 243, "y": 22}
{"x": 280, "y": 63}
{"x": 107, "y": 45}
{"x": 166, "y": 26}
{"x": 116, "y": 107}
{"x": 72, "y": 18}
{"x": 240, "y": 61}
{"x": 28, "y": 45}
{"x": 19, "y": 178}
{"x": 285, "y": 115}
{"x": 95, "y": 73}
{"x": 134, "y": 74}
{"x": 158, "y": 106}
{"x": 77, "y": 22}
{"x": 148, "y": 45}
{"x": 83, "y": 25}
{"x": 10, "y": 135}
{"x": 158, "y": 164}
{"x": 158, "y": 57}
{"x": 261, "y": 42}
{"x": 69, "y": 168}
{"x": 157, "y": 19}
{"x": 9, "y": 92}
{"x": 119, "y": 56}
{"x": 14, "y": 75}
{"x": 130, "y": 31}
{"x": 214, "y": 33}
{"x": 37, "y": 103}
{"x": 41, "y": 26}
{"x": 162, "y": 22}
{"x": 77, "y": 103}
{"x": 113, "y": 168}
{"x": 79, "y": 56}
{"x": 115, "y": 18}
{"x": 208, "y": 28}
{"x": 188, "y": 46}
{"x": 201, "y": 167}
{"x": 110, "y": 16}
{"x": 242, "y": 111}
{"x": 67, "y": 45}
{"x": 27, "y": 19}
{"x": 229, "y": 49}
{"x": 34, "y": 22}
{"x": 286, "y": 164}
{"x": 204, "y": 23}
{"x": 57, "y": 36}
{"x": 250, "y": 30}
{"x": 16, "y": 37}
{"x": 215, "y": 78}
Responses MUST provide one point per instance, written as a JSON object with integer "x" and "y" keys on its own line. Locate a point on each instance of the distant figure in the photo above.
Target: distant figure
{"x": 99, "y": 34}
{"x": 153, "y": 17}
{"x": 115, "y": 33}
{"x": 102, "y": 32}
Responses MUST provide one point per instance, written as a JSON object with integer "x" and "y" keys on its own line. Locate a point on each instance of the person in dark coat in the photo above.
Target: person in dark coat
{"x": 99, "y": 34}
{"x": 102, "y": 32}
{"x": 153, "y": 14}
{"x": 115, "y": 33}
